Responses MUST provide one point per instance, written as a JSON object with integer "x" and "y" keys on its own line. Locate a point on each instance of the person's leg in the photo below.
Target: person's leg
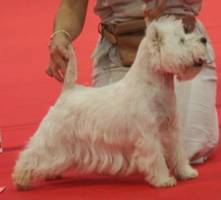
{"x": 108, "y": 76}
{"x": 196, "y": 103}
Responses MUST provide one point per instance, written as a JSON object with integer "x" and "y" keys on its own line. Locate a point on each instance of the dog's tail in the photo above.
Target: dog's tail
{"x": 71, "y": 72}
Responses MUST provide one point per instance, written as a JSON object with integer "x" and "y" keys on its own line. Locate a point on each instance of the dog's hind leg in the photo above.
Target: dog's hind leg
{"x": 48, "y": 154}
{"x": 25, "y": 167}
{"x": 37, "y": 163}
{"x": 23, "y": 174}
{"x": 150, "y": 161}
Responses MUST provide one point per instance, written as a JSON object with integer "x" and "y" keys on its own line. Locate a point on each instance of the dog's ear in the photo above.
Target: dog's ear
{"x": 154, "y": 33}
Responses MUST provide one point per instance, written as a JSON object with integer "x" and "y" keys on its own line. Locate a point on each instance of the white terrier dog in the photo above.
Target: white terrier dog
{"x": 123, "y": 128}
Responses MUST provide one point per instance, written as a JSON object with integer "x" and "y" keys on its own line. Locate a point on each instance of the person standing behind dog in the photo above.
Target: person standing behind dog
{"x": 196, "y": 99}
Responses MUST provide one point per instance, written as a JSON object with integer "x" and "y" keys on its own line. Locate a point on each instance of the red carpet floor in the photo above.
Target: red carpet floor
{"x": 26, "y": 93}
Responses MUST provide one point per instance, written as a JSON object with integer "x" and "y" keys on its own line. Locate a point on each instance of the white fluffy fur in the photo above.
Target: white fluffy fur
{"x": 123, "y": 128}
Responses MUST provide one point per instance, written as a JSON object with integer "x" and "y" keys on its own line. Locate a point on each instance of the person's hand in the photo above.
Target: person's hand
{"x": 59, "y": 56}
{"x": 189, "y": 23}
{"x": 155, "y": 12}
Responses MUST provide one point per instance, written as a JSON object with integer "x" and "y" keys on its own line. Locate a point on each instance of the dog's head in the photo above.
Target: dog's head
{"x": 173, "y": 50}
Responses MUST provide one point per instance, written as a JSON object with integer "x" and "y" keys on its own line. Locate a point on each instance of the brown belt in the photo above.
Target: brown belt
{"x": 126, "y": 37}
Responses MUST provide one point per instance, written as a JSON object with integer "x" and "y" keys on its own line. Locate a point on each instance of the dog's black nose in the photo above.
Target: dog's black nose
{"x": 198, "y": 63}
{"x": 203, "y": 40}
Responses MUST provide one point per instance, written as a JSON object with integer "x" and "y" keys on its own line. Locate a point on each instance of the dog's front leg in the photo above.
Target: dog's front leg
{"x": 177, "y": 157}
{"x": 150, "y": 161}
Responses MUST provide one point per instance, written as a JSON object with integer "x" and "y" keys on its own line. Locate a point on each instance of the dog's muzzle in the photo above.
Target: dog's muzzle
{"x": 199, "y": 63}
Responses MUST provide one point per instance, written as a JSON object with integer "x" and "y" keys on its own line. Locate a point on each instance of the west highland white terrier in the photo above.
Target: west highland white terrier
{"x": 128, "y": 127}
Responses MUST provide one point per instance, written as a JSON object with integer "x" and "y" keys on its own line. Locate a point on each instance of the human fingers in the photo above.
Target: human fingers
{"x": 53, "y": 71}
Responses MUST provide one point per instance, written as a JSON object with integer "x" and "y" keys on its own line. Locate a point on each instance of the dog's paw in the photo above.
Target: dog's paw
{"x": 22, "y": 179}
{"x": 163, "y": 182}
{"x": 187, "y": 173}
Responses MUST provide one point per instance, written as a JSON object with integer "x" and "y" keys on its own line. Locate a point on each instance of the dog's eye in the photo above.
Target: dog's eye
{"x": 182, "y": 40}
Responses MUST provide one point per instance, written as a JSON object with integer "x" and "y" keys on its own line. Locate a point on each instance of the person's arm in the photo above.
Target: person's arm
{"x": 68, "y": 25}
